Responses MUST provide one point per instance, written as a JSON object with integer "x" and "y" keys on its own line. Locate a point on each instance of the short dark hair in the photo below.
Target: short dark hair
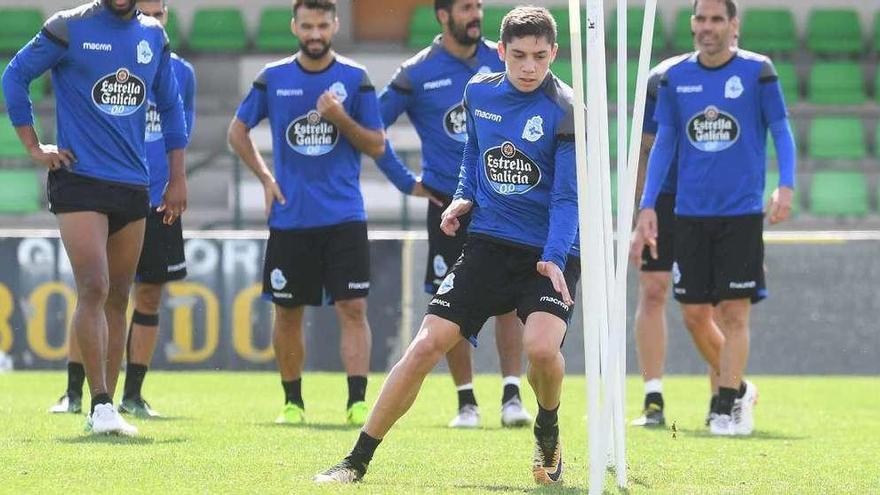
{"x": 730, "y": 5}
{"x": 528, "y": 21}
{"x": 326, "y": 5}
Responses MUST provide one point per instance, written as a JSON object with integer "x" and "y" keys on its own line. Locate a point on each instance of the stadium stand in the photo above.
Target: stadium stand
{"x": 635, "y": 18}
{"x": 834, "y": 32}
{"x": 769, "y": 31}
{"x": 423, "y": 27}
{"x": 20, "y": 190}
{"x": 837, "y": 138}
{"x": 839, "y": 193}
{"x": 172, "y": 28}
{"x": 682, "y": 36}
{"x": 788, "y": 78}
{"x": 18, "y": 26}
{"x": 218, "y": 30}
{"x": 837, "y": 83}
{"x": 273, "y": 33}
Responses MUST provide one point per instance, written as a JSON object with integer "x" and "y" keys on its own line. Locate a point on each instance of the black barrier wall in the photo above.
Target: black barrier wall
{"x": 821, "y": 317}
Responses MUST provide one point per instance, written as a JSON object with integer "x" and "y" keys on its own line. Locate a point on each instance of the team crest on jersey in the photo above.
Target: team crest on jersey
{"x": 712, "y": 130}
{"x": 733, "y": 87}
{"x": 447, "y": 285}
{"x": 455, "y": 123}
{"x": 120, "y": 93}
{"x": 145, "y": 53}
{"x": 534, "y": 129}
{"x": 338, "y": 90}
{"x": 154, "y": 123}
{"x": 277, "y": 279}
{"x": 509, "y": 170}
{"x": 311, "y": 135}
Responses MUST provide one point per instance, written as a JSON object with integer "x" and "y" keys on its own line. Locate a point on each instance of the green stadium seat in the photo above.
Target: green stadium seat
{"x": 423, "y": 27}
{"x": 273, "y": 34}
{"x": 563, "y": 27}
{"x": 18, "y": 26}
{"x": 10, "y": 146}
{"x": 834, "y": 32}
{"x": 877, "y": 85}
{"x": 877, "y": 32}
{"x": 632, "y": 69}
{"x": 836, "y": 83}
{"x": 562, "y": 68}
{"x": 635, "y": 16}
{"x": 492, "y": 17}
{"x": 788, "y": 79}
{"x": 683, "y": 37}
{"x": 837, "y": 138}
{"x": 772, "y": 181}
{"x": 38, "y": 86}
{"x": 769, "y": 31}
{"x": 20, "y": 190}
{"x": 172, "y": 28}
{"x": 839, "y": 193}
{"x": 218, "y": 30}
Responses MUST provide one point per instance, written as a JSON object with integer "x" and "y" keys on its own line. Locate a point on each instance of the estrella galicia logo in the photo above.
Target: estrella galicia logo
{"x": 509, "y": 170}
{"x": 712, "y": 130}
{"x": 154, "y": 123}
{"x": 119, "y": 94}
{"x": 455, "y": 123}
{"x": 311, "y": 135}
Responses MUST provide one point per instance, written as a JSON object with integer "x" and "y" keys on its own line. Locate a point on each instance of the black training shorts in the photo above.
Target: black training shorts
{"x": 122, "y": 203}
{"x": 162, "y": 259}
{"x": 443, "y": 250}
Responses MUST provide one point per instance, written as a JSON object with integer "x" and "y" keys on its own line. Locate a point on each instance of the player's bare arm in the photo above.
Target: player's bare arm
{"x": 368, "y": 141}
{"x": 239, "y": 138}
{"x": 449, "y": 222}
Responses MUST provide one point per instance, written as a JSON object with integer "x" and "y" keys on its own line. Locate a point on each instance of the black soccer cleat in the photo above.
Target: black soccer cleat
{"x": 344, "y": 472}
{"x": 652, "y": 417}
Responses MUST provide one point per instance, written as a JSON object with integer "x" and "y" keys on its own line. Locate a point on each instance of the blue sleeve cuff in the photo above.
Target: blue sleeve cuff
{"x": 175, "y": 142}
{"x": 556, "y": 257}
{"x": 393, "y": 167}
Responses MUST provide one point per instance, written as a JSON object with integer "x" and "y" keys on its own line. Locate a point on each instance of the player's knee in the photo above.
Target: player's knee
{"x": 148, "y": 299}
{"x": 541, "y": 351}
{"x": 733, "y": 320}
{"x": 92, "y": 288}
{"x": 696, "y": 320}
{"x": 352, "y": 309}
{"x": 654, "y": 296}
{"x": 425, "y": 353}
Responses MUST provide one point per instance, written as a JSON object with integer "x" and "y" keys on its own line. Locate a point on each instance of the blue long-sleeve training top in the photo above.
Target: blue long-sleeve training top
{"x": 157, "y": 156}
{"x": 717, "y": 120}
{"x": 649, "y": 123}
{"x": 429, "y": 88}
{"x": 519, "y": 164}
{"x": 316, "y": 167}
{"x": 103, "y": 67}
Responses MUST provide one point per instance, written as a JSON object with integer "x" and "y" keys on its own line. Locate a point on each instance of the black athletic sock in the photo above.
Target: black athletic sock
{"x": 511, "y": 391}
{"x": 654, "y": 398}
{"x": 742, "y": 390}
{"x": 726, "y": 397}
{"x": 357, "y": 389}
{"x": 134, "y": 380}
{"x": 362, "y": 453}
{"x": 466, "y": 397}
{"x": 547, "y": 429}
{"x": 100, "y": 399}
{"x": 76, "y": 377}
{"x": 713, "y": 404}
{"x": 293, "y": 392}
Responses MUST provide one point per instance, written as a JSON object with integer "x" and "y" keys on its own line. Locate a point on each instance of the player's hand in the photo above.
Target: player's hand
{"x": 647, "y": 227}
{"x": 636, "y": 247}
{"x": 272, "y": 193}
{"x": 51, "y": 157}
{"x": 421, "y": 191}
{"x": 173, "y": 200}
{"x": 554, "y": 273}
{"x": 330, "y": 107}
{"x": 449, "y": 222}
{"x": 779, "y": 208}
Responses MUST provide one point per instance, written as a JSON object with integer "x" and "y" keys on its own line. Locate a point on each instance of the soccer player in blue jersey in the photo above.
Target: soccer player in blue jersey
{"x": 518, "y": 177}
{"x": 655, "y": 277}
{"x": 324, "y": 113}
{"x": 429, "y": 88}
{"x": 105, "y": 58}
{"x": 161, "y": 259}
{"x": 715, "y": 107}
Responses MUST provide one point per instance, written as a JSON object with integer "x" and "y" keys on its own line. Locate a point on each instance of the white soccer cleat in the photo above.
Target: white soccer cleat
{"x": 513, "y": 414}
{"x": 468, "y": 417}
{"x": 106, "y": 420}
{"x": 721, "y": 425}
{"x": 67, "y": 404}
{"x": 743, "y": 412}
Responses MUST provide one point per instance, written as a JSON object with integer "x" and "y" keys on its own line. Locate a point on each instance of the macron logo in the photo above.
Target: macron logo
{"x": 97, "y": 47}
{"x": 442, "y": 83}
{"x": 689, "y": 89}
{"x": 494, "y": 117}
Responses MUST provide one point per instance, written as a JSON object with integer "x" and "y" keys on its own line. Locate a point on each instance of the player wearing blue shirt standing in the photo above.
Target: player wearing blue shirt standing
{"x": 161, "y": 259}
{"x": 429, "y": 88}
{"x": 655, "y": 276}
{"x": 518, "y": 177}
{"x": 715, "y": 107}
{"x": 105, "y": 58}
{"x": 323, "y": 112}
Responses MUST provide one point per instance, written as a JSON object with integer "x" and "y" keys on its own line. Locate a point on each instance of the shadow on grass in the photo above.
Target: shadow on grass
{"x": 162, "y": 419}
{"x": 119, "y": 440}
{"x": 312, "y": 426}
{"x": 519, "y": 489}
{"x": 757, "y": 435}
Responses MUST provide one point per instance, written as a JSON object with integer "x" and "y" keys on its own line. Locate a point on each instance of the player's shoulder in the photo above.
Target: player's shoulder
{"x": 559, "y": 92}
{"x": 489, "y": 45}
{"x": 57, "y": 24}
{"x": 182, "y": 65}
{"x": 273, "y": 67}
{"x": 486, "y": 79}
{"x": 766, "y": 69}
{"x": 149, "y": 22}
{"x": 673, "y": 65}
{"x": 424, "y": 56}
{"x": 351, "y": 64}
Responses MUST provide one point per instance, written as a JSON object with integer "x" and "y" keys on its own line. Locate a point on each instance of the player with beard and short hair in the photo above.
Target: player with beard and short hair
{"x": 429, "y": 88}
{"x": 518, "y": 177}
{"x": 323, "y": 113}
{"x": 105, "y": 58}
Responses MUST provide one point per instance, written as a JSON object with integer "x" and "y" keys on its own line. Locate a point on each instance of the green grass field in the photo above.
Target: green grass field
{"x": 814, "y": 435}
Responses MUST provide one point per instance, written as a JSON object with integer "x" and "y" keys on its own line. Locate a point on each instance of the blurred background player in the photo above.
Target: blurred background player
{"x": 162, "y": 258}
{"x": 655, "y": 275}
{"x": 99, "y": 177}
{"x": 323, "y": 112}
{"x": 715, "y": 107}
{"x": 518, "y": 176}
{"x": 429, "y": 88}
